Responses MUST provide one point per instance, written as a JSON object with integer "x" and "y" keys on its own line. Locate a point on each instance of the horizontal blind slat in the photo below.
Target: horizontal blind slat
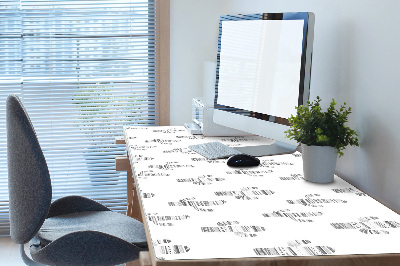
{"x": 83, "y": 70}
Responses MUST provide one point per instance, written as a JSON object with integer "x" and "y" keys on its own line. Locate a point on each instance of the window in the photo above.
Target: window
{"x": 83, "y": 69}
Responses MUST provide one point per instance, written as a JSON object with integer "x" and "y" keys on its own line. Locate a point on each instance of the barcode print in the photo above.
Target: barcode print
{"x": 180, "y": 150}
{"x": 142, "y": 158}
{"x": 278, "y": 251}
{"x": 387, "y": 224}
{"x": 227, "y": 223}
{"x": 367, "y": 226}
{"x": 197, "y": 205}
{"x": 373, "y": 232}
{"x": 174, "y": 249}
{"x": 145, "y": 174}
{"x": 141, "y": 148}
{"x": 349, "y": 190}
{"x": 318, "y": 250}
{"x": 168, "y": 131}
{"x": 207, "y": 160}
{"x": 161, "y": 220}
{"x": 272, "y": 163}
{"x": 163, "y": 141}
{"x": 200, "y": 180}
{"x": 249, "y": 172}
{"x": 233, "y": 229}
{"x": 295, "y": 243}
{"x": 292, "y": 177}
{"x": 313, "y": 202}
{"x": 240, "y": 234}
{"x": 245, "y": 194}
{"x": 170, "y": 166}
{"x": 289, "y": 251}
{"x": 296, "y": 216}
{"x": 161, "y": 241}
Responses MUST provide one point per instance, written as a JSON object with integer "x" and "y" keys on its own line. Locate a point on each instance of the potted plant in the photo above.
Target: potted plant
{"x": 323, "y": 135}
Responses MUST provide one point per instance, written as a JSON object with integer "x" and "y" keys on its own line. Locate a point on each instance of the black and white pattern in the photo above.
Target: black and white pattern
{"x": 201, "y": 180}
{"x": 233, "y": 227}
{"x": 163, "y": 141}
{"x": 249, "y": 172}
{"x": 197, "y": 208}
{"x": 273, "y": 164}
{"x": 296, "y": 248}
{"x": 150, "y": 173}
{"x": 303, "y": 217}
{"x": 139, "y": 157}
{"x": 198, "y": 205}
{"x": 148, "y": 195}
{"x": 369, "y": 225}
{"x": 246, "y": 193}
{"x": 180, "y": 151}
{"x": 292, "y": 177}
{"x": 165, "y": 220}
{"x": 315, "y": 200}
{"x": 170, "y": 166}
{"x": 165, "y": 246}
{"x": 349, "y": 190}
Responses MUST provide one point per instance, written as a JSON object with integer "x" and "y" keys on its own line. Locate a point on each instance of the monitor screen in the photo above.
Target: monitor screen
{"x": 263, "y": 71}
{"x": 260, "y": 64}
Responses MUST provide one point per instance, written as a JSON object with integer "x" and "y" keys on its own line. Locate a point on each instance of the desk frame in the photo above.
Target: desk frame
{"x": 135, "y": 210}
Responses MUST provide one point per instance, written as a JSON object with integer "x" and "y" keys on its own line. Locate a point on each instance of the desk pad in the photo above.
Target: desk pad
{"x": 197, "y": 208}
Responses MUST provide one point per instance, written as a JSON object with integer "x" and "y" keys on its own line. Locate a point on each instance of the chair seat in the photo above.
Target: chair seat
{"x": 107, "y": 222}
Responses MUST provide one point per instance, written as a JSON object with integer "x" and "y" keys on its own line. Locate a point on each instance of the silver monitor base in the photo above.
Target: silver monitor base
{"x": 276, "y": 148}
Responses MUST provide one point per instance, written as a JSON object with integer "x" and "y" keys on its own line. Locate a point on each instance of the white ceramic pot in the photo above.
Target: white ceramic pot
{"x": 319, "y": 163}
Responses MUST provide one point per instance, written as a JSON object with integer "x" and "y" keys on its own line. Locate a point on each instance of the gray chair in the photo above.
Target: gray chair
{"x": 70, "y": 231}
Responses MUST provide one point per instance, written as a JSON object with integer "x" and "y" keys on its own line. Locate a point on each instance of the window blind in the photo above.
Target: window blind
{"x": 83, "y": 69}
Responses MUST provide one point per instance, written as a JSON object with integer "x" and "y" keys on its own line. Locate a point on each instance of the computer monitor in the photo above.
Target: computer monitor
{"x": 263, "y": 72}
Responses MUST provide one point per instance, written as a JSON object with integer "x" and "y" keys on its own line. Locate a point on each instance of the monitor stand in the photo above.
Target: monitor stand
{"x": 277, "y": 148}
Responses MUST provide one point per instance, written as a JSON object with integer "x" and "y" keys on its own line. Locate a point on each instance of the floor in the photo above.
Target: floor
{"x": 10, "y": 256}
{"x": 9, "y": 253}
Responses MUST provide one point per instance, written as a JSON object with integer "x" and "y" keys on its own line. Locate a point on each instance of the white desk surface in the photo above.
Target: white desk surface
{"x": 197, "y": 208}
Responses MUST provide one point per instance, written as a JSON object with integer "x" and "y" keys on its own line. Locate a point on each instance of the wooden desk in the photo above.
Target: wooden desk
{"x": 201, "y": 212}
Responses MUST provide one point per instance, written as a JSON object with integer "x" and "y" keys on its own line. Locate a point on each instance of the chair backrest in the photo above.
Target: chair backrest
{"x": 29, "y": 183}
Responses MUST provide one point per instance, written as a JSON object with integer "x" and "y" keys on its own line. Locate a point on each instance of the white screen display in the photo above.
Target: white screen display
{"x": 260, "y": 63}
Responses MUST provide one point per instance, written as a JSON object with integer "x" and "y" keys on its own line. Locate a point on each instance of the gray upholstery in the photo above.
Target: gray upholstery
{"x": 72, "y": 204}
{"x": 85, "y": 248}
{"x": 128, "y": 229}
{"x": 70, "y": 231}
{"x": 28, "y": 176}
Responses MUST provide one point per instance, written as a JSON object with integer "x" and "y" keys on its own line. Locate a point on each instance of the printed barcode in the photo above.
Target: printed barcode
{"x": 174, "y": 249}
{"x": 232, "y": 229}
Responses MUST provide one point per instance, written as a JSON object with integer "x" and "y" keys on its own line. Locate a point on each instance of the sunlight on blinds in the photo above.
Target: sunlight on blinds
{"x": 83, "y": 69}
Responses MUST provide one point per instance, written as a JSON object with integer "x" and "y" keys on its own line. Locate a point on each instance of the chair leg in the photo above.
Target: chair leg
{"x": 26, "y": 259}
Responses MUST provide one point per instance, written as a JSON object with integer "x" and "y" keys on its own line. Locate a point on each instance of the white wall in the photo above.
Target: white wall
{"x": 356, "y": 60}
{"x": 194, "y": 41}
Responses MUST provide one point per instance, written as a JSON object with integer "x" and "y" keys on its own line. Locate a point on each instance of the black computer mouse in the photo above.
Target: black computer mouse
{"x": 240, "y": 160}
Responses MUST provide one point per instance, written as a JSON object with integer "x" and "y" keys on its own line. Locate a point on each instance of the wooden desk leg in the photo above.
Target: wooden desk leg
{"x": 129, "y": 193}
{"x": 144, "y": 260}
{"x": 132, "y": 197}
{"x": 133, "y": 209}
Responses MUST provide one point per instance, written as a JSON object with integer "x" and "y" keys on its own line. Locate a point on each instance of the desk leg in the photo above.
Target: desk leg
{"x": 133, "y": 210}
{"x": 144, "y": 260}
{"x": 129, "y": 193}
{"x": 132, "y": 197}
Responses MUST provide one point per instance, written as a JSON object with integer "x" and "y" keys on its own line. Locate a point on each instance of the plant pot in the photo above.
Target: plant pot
{"x": 319, "y": 163}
